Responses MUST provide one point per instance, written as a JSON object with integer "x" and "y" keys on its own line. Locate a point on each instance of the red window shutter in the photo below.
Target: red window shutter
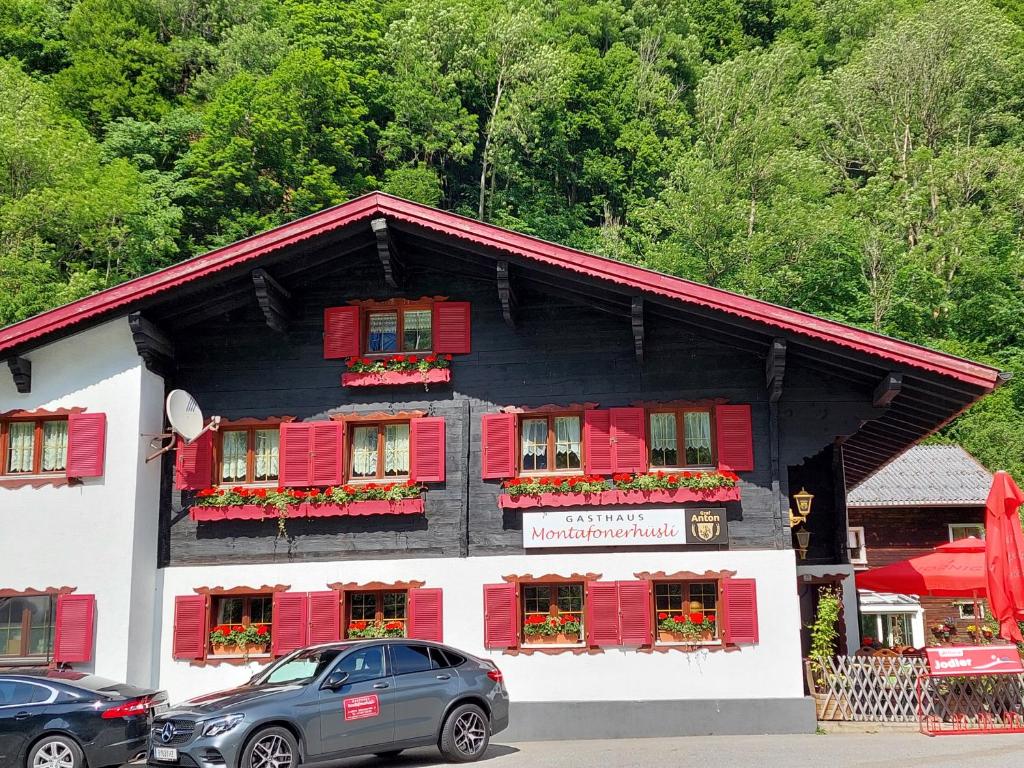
{"x": 324, "y": 613}
{"x": 87, "y": 440}
{"x": 635, "y": 612}
{"x": 602, "y": 613}
{"x": 734, "y": 437}
{"x": 190, "y": 630}
{"x": 597, "y": 443}
{"x": 73, "y": 634}
{"x": 325, "y": 460}
{"x": 426, "y": 436}
{"x": 499, "y": 445}
{"x": 341, "y": 332}
{"x": 289, "y": 629}
{"x": 740, "y": 598}
{"x": 629, "y": 446}
{"x": 295, "y": 448}
{"x": 193, "y": 463}
{"x": 501, "y": 616}
{"x": 426, "y": 614}
{"x": 451, "y": 327}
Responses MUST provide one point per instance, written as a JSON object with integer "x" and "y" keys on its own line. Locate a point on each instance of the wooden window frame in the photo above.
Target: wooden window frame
{"x": 246, "y": 598}
{"x": 552, "y": 604}
{"x": 26, "y": 629}
{"x": 550, "y": 416}
{"x": 951, "y": 526}
{"x": 348, "y": 605}
{"x": 687, "y": 598}
{"x": 37, "y": 447}
{"x": 398, "y": 308}
{"x": 863, "y": 548}
{"x": 680, "y": 419}
{"x": 250, "y": 458}
{"x": 379, "y": 477}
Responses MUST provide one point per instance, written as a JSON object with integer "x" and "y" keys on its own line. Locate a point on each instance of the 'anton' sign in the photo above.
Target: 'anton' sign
{"x": 624, "y": 527}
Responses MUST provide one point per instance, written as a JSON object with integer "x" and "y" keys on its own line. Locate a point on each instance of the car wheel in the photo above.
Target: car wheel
{"x": 389, "y": 754}
{"x": 271, "y": 748}
{"x": 465, "y": 735}
{"x": 56, "y": 752}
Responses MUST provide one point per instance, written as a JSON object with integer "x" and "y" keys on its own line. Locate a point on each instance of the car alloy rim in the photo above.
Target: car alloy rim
{"x": 271, "y": 752}
{"x": 469, "y": 733}
{"x": 56, "y": 754}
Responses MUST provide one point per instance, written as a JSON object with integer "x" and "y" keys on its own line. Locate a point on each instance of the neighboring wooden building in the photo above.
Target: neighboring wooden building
{"x": 930, "y": 495}
{"x": 537, "y": 368}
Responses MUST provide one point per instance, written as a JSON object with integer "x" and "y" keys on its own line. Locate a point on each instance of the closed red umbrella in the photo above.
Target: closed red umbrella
{"x": 956, "y": 569}
{"x": 1004, "y": 555}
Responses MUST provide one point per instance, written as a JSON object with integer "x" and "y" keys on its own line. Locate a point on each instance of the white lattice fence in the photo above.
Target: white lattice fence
{"x": 866, "y": 688}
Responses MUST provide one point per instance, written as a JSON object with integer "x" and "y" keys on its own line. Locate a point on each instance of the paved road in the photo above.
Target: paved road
{"x": 867, "y": 750}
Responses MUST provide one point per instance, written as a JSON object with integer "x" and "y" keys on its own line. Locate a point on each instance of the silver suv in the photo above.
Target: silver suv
{"x": 337, "y": 700}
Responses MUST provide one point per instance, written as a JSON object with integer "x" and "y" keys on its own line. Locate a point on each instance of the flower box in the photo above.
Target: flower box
{"x": 671, "y": 637}
{"x": 540, "y": 639}
{"x": 396, "y": 378}
{"x": 205, "y": 514}
{"x": 224, "y": 649}
{"x": 604, "y": 498}
{"x": 567, "y": 638}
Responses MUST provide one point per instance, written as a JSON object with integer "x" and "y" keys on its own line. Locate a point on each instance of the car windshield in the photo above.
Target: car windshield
{"x": 301, "y": 668}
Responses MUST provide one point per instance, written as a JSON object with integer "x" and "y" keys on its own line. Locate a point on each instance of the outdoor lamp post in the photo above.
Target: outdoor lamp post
{"x": 803, "y": 501}
{"x": 803, "y": 540}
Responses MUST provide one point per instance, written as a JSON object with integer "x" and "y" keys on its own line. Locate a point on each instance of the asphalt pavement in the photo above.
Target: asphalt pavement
{"x": 859, "y": 750}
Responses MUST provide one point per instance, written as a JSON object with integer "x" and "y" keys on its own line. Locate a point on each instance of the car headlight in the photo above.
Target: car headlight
{"x": 222, "y": 724}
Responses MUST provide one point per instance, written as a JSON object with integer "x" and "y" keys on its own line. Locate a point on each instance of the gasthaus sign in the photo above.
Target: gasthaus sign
{"x": 974, "y": 660}
{"x": 624, "y": 527}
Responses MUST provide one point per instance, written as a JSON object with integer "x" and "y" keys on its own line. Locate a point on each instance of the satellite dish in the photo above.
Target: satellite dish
{"x": 184, "y": 414}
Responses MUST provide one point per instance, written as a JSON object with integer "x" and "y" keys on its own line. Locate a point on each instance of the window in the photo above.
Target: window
{"x": 959, "y": 531}
{"x": 966, "y": 610}
{"x": 26, "y": 626}
{"x": 379, "y": 451}
{"x": 693, "y": 600}
{"x": 410, "y": 658}
{"x": 552, "y": 613}
{"x": 855, "y": 543}
{"x": 550, "y": 443}
{"x": 257, "y": 610}
{"x": 679, "y": 438}
{"x": 303, "y": 667}
{"x": 363, "y": 664}
{"x": 249, "y": 455}
{"x": 404, "y": 330}
{"x": 15, "y": 693}
{"x": 387, "y": 611}
{"x": 34, "y": 447}
{"x": 891, "y": 630}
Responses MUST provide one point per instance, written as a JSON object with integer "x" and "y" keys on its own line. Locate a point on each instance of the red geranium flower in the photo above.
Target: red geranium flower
{"x": 662, "y": 616}
{"x": 238, "y": 628}
{"x": 393, "y": 625}
{"x": 696, "y": 617}
{"x": 261, "y": 630}
{"x": 358, "y": 625}
{"x": 448, "y": 358}
{"x": 431, "y": 358}
{"x": 680, "y": 619}
{"x": 413, "y": 359}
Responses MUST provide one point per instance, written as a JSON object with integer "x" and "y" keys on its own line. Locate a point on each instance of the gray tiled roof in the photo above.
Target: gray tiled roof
{"x": 926, "y": 475}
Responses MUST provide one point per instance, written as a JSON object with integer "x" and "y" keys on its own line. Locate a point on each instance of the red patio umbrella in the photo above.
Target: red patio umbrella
{"x": 1004, "y": 555}
{"x": 956, "y": 569}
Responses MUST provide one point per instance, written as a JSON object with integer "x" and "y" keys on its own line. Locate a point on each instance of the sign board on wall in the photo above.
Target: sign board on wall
{"x": 974, "y": 660}
{"x": 624, "y": 527}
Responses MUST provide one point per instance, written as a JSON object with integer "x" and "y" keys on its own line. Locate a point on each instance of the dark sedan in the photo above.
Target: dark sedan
{"x": 62, "y": 719}
{"x": 338, "y": 700}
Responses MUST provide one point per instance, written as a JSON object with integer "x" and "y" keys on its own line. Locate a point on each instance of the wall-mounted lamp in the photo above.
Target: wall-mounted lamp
{"x": 803, "y": 540}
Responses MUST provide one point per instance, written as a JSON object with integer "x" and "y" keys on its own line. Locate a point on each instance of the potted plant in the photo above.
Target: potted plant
{"x": 943, "y": 631}
{"x": 254, "y": 639}
{"x": 224, "y": 639}
{"x": 540, "y": 629}
{"x": 376, "y": 628}
{"x": 669, "y": 629}
{"x": 569, "y": 628}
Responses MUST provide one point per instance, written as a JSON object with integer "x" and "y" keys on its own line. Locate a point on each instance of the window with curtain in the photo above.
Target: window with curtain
{"x": 34, "y": 447}
{"x": 379, "y": 450}
{"x": 416, "y": 330}
{"x": 550, "y": 443}
{"x": 382, "y": 332}
{"x": 27, "y": 626}
{"x": 405, "y": 330}
{"x": 680, "y": 438}
{"x": 249, "y": 455}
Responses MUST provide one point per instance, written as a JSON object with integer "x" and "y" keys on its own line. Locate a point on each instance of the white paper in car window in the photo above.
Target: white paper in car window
{"x": 295, "y": 670}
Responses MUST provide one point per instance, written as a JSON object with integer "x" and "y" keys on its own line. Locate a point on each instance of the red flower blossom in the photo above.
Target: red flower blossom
{"x": 413, "y": 359}
{"x": 687, "y": 475}
{"x": 399, "y": 358}
{"x": 393, "y": 625}
{"x": 662, "y": 616}
{"x": 696, "y": 617}
{"x": 261, "y": 630}
{"x": 535, "y": 619}
{"x": 568, "y": 619}
{"x": 238, "y": 628}
{"x": 680, "y": 619}
{"x": 431, "y": 358}
{"x": 448, "y": 358}
{"x": 357, "y": 625}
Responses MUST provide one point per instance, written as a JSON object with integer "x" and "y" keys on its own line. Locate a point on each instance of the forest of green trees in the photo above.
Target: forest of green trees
{"x": 859, "y": 159}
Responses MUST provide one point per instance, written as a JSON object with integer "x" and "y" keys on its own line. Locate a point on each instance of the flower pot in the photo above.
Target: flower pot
{"x": 707, "y": 635}
{"x": 568, "y": 637}
{"x": 540, "y": 639}
{"x": 254, "y": 650}
{"x": 666, "y": 636}
{"x": 226, "y": 649}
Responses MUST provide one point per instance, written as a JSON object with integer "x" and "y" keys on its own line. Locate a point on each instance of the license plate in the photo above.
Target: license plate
{"x": 165, "y": 754}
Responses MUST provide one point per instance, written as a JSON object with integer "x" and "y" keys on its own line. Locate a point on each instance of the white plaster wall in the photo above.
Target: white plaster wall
{"x": 851, "y": 606}
{"x": 99, "y": 536}
{"x": 771, "y": 669}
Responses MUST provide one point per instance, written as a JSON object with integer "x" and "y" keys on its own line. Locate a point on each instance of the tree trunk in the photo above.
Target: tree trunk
{"x": 484, "y": 162}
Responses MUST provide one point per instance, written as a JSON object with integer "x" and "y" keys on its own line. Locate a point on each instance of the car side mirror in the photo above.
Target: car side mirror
{"x": 335, "y": 680}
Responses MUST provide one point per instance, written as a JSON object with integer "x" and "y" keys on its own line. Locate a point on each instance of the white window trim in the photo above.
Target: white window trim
{"x": 916, "y": 619}
{"x": 961, "y": 604}
{"x": 951, "y": 526}
{"x": 863, "y": 559}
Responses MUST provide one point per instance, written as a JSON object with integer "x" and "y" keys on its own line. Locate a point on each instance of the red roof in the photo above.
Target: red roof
{"x": 376, "y": 204}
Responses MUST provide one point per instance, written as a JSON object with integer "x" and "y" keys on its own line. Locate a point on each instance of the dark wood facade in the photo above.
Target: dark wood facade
{"x": 567, "y": 346}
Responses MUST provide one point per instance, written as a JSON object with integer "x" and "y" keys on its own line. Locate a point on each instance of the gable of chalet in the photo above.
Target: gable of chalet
{"x": 915, "y": 390}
